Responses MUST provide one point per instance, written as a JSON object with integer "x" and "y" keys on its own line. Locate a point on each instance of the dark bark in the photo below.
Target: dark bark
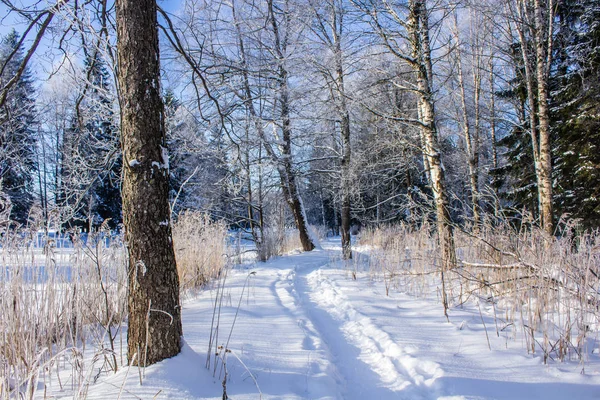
{"x": 345, "y": 211}
{"x": 346, "y": 147}
{"x": 288, "y": 176}
{"x": 154, "y": 327}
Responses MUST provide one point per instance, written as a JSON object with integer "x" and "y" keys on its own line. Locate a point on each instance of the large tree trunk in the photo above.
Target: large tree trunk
{"x": 154, "y": 326}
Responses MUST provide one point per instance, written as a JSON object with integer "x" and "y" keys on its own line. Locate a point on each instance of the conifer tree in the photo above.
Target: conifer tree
{"x": 106, "y": 191}
{"x": 17, "y": 132}
{"x": 91, "y": 165}
{"x": 575, "y": 106}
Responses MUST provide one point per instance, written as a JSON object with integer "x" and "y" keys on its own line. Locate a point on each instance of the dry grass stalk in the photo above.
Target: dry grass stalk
{"x": 544, "y": 288}
{"x": 63, "y": 309}
{"x": 200, "y": 249}
{"x": 54, "y": 300}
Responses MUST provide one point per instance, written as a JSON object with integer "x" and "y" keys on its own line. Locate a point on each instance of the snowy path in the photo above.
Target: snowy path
{"x": 306, "y": 330}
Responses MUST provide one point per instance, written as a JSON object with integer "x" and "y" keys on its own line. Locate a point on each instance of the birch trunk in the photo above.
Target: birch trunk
{"x": 470, "y": 135}
{"x": 537, "y": 66}
{"x": 543, "y": 44}
{"x": 418, "y": 29}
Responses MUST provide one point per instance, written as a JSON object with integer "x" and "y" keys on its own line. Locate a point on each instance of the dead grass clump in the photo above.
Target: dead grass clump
{"x": 402, "y": 256}
{"x": 200, "y": 249}
{"x": 53, "y": 302}
{"x": 545, "y": 289}
{"x": 63, "y": 307}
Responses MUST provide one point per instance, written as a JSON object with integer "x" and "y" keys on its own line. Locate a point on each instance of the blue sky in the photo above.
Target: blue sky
{"x": 170, "y": 5}
{"x": 8, "y": 22}
{"x": 39, "y": 64}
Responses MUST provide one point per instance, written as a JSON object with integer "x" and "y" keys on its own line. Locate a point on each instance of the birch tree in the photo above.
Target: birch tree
{"x": 533, "y": 21}
{"x": 404, "y": 30}
{"x": 470, "y": 96}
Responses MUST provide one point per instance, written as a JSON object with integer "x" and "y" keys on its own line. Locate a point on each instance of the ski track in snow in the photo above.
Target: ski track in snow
{"x": 306, "y": 330}
{"x": 397, "y": 370}
{"x": 337, "y": 331}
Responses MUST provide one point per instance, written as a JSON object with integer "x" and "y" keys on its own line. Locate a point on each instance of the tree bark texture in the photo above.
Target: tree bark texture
{"x": 346, "y": 183}
{"x": 287, "y": 174}
{"x": 543, "y": 43}
{"x": 345, "y": 135}
{"x": 537, "y": 65}
{"x": 421, "y": 52}
{"x": 154, "y": 326}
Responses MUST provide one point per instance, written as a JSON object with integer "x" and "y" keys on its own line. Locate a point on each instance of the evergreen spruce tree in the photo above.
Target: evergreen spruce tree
{"x": 92, "y": 158}
{"x": 575, "y": 127}
{"x": 17, "y": 133}
{"x": 106, "y": 191}
{"x": 515, "y": 180}
{"x": 575, "y": 105}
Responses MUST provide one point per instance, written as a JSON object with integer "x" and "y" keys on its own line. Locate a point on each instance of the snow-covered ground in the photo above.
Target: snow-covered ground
{"x": 306, "y": 330}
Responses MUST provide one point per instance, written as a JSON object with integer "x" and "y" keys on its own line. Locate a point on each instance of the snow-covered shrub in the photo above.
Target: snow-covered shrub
{"x": 278, "y": 241}
{"x": 319, "y": 232}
